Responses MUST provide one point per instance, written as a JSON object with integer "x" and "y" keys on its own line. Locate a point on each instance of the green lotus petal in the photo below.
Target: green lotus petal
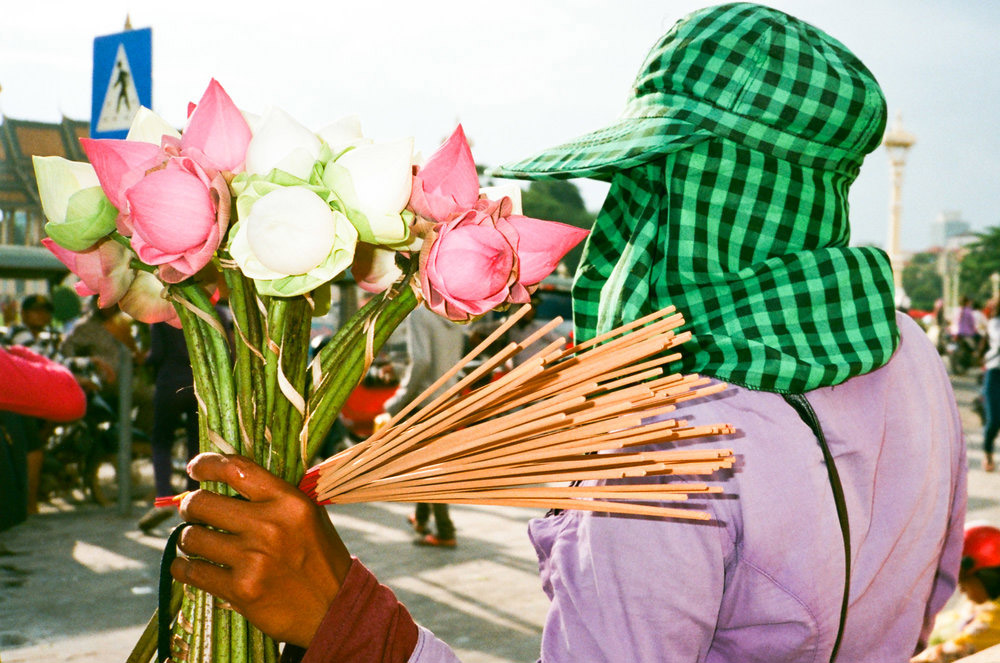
{"x": 90, "y": 216}
{"x": 322, "y": 299}
{"x": 291, "y": 286}
{"x": 390, "y": 229}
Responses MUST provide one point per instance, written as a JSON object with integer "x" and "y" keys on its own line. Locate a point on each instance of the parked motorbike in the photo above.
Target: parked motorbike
{"x": 81, "y": 457}
{"x": 962, "y": 354}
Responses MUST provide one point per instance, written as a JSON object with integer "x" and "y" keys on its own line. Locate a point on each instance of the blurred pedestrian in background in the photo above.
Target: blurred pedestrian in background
{"x": 991, "y": 387}
{"x": 434, "y": 345}
{"x": 174, "y": 406}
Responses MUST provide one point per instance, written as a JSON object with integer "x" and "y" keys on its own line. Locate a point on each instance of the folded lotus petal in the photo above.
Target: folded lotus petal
{"x": 171, "y": 211}
{"x": 448, "y": 183}
{"x": 120, "y": 164}
{"x": 104, "y": 269}
{"x": 500, "y": 191}
{"x": 541, "y": 245}
{"x": 58, "y": 179}
{"x": 145, "y": 302}
{"x": 381, "y": 175}
{"x": 374, "y": 269}
{"x": 218, "y": 131}
{"x": 342, "y": 134}
{"x": 89, "y": 217}
{"x": 275, "y": 143}
{"x": 148, "y": 127}
{"x": 191, "y": 261}
{"x": 291, "y": 230}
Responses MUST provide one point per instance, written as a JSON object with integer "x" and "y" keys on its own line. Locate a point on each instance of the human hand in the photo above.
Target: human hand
{"x": 278, "y": 559}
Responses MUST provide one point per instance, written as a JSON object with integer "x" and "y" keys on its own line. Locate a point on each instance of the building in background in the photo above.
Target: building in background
{"x": 947, "y": 225}
{"x": 25, "y": 265}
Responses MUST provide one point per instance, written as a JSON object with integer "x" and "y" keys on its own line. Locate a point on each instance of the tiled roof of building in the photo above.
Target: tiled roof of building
{"x": 19, "y": 140}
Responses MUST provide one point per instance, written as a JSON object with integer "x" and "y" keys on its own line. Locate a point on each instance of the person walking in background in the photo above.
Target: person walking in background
{"x": 174, "y": 404}
{"x": 434, "y": 345}
{"x": 527, "y": 325}
{"x": 991, "y": 387}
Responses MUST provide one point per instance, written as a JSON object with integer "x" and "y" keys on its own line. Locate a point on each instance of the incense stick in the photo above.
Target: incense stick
{"x": 562, "y": 415}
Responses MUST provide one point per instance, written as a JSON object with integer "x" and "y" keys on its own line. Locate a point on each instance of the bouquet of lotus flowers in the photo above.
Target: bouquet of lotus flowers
{"x": 281, "y": 213}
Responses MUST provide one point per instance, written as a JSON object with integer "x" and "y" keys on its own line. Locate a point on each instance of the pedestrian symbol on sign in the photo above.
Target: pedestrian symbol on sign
{"x": 121, "y": 101}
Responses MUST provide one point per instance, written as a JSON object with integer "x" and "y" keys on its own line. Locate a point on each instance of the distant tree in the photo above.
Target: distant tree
{"x": 558, "y": 200}
{"x": 921, "y": 281}
{"x": 981, "y": 260}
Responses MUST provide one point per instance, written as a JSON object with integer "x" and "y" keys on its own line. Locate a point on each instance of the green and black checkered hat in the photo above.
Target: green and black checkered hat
{"x": 729, "y": 174}
{"x": 747, "y": 73}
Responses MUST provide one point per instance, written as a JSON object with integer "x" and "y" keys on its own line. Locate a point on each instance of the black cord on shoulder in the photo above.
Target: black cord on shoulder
{"x": 802, "y": 407}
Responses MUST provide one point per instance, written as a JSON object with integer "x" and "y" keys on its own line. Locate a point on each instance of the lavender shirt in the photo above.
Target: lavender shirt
{"x": 763, "y": 581}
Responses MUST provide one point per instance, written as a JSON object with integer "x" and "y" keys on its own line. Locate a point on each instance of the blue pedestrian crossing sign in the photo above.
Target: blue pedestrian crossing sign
{"x": 123, "y": 81}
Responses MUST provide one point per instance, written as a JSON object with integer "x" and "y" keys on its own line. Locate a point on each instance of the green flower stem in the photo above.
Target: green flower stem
{"x": 347, "y": 354}
{"x": 295, "y": 354}
{"x": 249, "y": 380}
{"x": 145, "y": 649}
{"x": 217, "y": 344}
{"x": 220, "y": 634}
{"x": 205, "y": 386}
{"x": 256, "y": 645}
{"x": 277, "y": 311}
{"x": 272, "y": 331}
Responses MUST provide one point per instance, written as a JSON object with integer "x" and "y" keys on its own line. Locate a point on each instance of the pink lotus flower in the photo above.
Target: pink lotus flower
{"x": 447, "y": 185}
{"x": 179, "y": 216}
{"x": 217, "y": 134}
{"x": 172, "y": 196}
{"x": 103, "y": 269}
{"x": 486, "y": 257}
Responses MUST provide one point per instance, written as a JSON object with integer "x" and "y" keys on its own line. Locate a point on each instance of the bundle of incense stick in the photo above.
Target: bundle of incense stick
{"x": 563, "y": 416}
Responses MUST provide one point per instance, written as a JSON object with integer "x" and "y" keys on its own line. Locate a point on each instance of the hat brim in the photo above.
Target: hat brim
{"x": 625, "y": 144}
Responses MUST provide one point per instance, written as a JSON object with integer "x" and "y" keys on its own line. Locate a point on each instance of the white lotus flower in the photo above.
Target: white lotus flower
{"x": 498, "y": 191}
{"x": 291, "y": 231}
{"x": 342, "y": 134}
{"x": 281, "y": 142}
{"x": 375, "y": 180}
{"x": 148, "y": 127}
{"x": 58, "y": 179}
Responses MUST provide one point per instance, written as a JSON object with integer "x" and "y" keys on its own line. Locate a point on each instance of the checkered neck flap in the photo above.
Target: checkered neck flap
{"x": 753, "y": 252}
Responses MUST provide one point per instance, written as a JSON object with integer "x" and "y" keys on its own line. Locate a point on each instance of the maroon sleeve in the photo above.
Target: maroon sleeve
{"x": 365, "y": 624}
{"x": 35, "y": 386}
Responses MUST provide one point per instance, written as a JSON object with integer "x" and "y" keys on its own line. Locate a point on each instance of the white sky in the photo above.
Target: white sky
{"x": 521, "y": 75}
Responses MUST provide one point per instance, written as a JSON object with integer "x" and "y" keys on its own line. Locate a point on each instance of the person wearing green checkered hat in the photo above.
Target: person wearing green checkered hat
{"x": 729, "y": 174}
{"x": 729, "y": 170}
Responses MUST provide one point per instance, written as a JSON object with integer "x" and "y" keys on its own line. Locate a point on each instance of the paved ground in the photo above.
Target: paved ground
{"x": 79, "y": 586}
